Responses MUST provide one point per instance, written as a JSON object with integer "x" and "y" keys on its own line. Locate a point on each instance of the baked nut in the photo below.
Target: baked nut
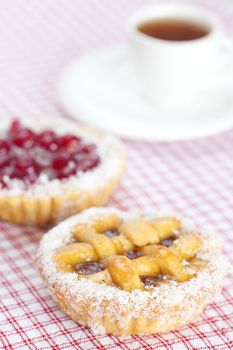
{"x": 100, "y": 273}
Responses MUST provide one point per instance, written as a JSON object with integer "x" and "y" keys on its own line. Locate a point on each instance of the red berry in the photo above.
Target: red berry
{"x": 25, "y": 138}
{"x": 4, "y": 162}
{"x": 64, "y": 167}
{"x": 15, "y": 126}
{"x": 22, "y": 163}
{"x": 23, "y": 169}
{"x": 87, "y": 149}
{"x": 27, "y": 165}
{"x": 4, "y": 148}
{"x": 48, "y": 140}
{"x": 70, "y": 143}
{"x": 60, "y": 163}
{"x": 46, "y": 136}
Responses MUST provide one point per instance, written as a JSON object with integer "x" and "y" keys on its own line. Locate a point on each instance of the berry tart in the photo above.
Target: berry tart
{"x": 130, "y": 273}
{"x": 50, "y": 170}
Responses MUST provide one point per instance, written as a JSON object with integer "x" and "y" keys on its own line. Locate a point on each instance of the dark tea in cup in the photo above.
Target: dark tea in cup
{"x": 173, "y": 29}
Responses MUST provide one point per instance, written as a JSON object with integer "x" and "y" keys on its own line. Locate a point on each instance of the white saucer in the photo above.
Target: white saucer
{"x": 100, "y": 89}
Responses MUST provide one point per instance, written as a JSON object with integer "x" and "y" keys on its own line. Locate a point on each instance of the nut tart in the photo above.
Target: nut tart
{"x": 50, "y": 170}
{"x": 129, "y": 273}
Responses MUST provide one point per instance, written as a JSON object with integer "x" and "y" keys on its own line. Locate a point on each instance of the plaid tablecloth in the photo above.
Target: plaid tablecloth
{"x": 195, "y": 178}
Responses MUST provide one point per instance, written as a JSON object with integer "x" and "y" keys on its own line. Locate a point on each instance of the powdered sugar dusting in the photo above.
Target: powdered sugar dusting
{"x": 139, "y": 304}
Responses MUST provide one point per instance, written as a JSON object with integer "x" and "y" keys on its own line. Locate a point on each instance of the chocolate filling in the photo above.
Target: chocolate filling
{"x": 132, "y": 255}
{"x": 88, "y": 268}
{"x": 111, "y": 234}
{"x": 152, "y": 280}
{"x": 168, "y": 242}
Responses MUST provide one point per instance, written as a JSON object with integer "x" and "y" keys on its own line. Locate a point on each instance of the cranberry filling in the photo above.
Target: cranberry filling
{"x": 168, "y": 242}
{"x": 25, "y": 154}
{"x": 88, "y": 268}
{"x": 132, "y": 255}
{"x": 111, "y": 234}
{"x": 152, "y": 280}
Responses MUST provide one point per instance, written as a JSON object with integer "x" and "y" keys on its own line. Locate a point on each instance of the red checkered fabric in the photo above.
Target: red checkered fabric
{"x": 194, "y": 178}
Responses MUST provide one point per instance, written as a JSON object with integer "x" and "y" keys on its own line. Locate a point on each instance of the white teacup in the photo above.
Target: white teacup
{"x": 171, "y": 73}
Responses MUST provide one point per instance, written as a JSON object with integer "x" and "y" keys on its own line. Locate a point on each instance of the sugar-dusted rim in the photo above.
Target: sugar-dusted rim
{"x": 109, "y": 148}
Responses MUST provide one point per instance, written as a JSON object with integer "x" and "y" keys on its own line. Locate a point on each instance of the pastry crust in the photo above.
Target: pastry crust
{"x": 108, "y": 309}
{"x": 48, "y": 202}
